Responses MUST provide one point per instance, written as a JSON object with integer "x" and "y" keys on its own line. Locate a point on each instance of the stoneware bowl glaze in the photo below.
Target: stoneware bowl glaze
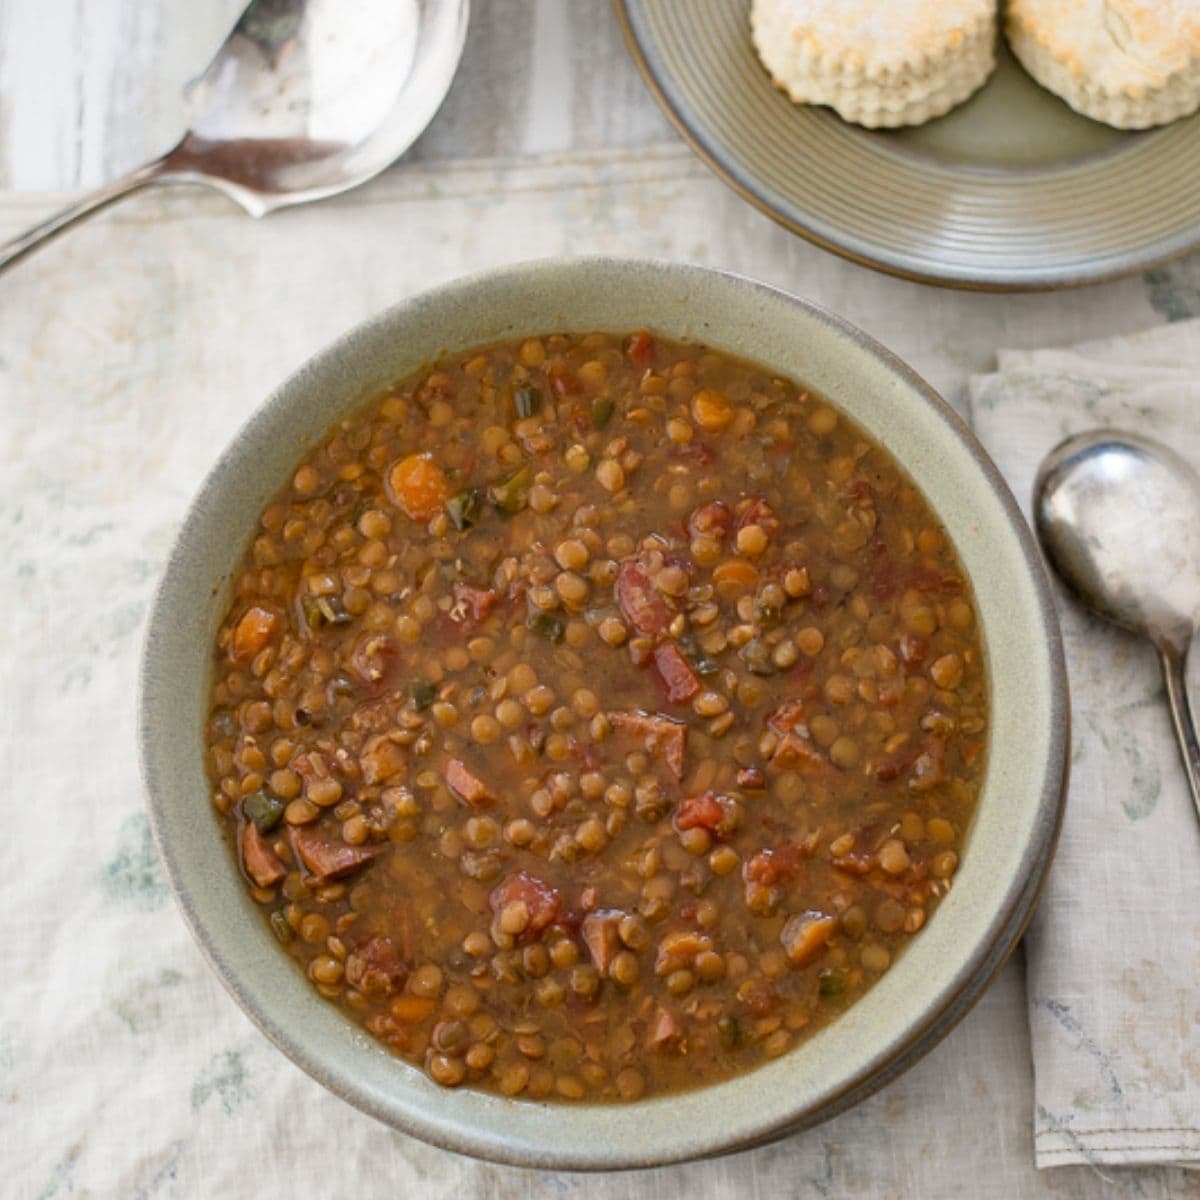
{"x": 928, "y": 989}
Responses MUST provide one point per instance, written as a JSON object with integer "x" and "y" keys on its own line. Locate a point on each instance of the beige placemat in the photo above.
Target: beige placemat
{"x": 129, "y": 353}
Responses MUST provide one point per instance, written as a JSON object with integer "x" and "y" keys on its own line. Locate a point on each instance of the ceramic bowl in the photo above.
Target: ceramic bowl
{"x": 1009, "y": 847}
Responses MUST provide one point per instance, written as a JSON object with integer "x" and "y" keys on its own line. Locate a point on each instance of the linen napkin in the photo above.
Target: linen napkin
{"x": 1113, "y": 954}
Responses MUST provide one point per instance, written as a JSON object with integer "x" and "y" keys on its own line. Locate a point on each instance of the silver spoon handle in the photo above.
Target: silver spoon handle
{"x": 102, "y": 197}
{"x": 1174, "y": 663}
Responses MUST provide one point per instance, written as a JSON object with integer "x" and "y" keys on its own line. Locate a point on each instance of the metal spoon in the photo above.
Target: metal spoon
{"x": 305, "y": 99}
{"x": 1118, "y": 515}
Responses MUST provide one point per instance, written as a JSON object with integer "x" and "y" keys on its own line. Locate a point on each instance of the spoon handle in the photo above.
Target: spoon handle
{"x": 1174, "y": 663}
{"x": 102, "y": 197}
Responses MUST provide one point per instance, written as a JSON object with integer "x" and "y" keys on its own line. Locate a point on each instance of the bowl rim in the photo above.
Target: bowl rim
{"x": 952, "y": 1002}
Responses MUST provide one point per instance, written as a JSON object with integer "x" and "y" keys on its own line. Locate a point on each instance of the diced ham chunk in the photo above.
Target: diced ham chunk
{"x": 466, "y": 786}
{"x": 327, "y": 858}
{"x": 805, "y": 935}
{"x": 796, "y": 753}
{"x": 601, "y": 937}
{"x": 381, "y": 759}
{"x": 676, "y": 673}
{"x": 662, "y": 736}
{"x": 471, "y": 603}
{"x": 540, "y": 899}
{"x": 639, "y": 601}
{"x": 664, "y": 1029}
{"x": 375, "y": 967}
{"x": 717, "y": 814}
{"x": 252, "y": 633}
{"x": 261, "y": 862}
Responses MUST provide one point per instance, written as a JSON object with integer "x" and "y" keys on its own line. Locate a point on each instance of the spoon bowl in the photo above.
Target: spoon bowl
{"x": 304, "y": 99}
{"x": 1118, "y": 516}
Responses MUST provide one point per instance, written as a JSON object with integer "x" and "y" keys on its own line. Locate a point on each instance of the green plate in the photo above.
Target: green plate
{"x": 1011, "y": 191}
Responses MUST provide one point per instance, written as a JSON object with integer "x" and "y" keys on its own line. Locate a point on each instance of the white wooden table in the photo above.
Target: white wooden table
{"x": 88, "y": 90}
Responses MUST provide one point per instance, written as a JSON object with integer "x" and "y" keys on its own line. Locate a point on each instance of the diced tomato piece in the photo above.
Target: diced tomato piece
{"x": 466, "y": 786}
{"x": 471, "y": 602}
{"x": 540, "y": 899}
{"x": 639, "y": 600}
{"x": 375, "y": 968}
{"x": 641, "y": 350}
{"x": 805, "y": 935}
{"x": 752, "y": 779}
{"x": 758, "y": 512}
{"x": 563, "y": 381}
{"x": 601, "y": 937}
{"x": 708, "y": 811}
{"x": 252, "y": 633}
{"x": 261, "y": 862}
{"x": 773, "y": 865}
{"x": 926, "y": 580}
{"x": 676, "y": 673}
{"x": 327, "y": 858}
{"x": 787, "y": 716}
{"x": 663, "y": 736}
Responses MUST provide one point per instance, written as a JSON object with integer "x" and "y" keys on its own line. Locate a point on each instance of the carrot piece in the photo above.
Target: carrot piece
{"x": 410, "y": 1009}
{"x": 711, "y": 410}
{"x": 252, "y": 633}
{"x": 419, "y": 486}
{"x": 467, "y": 786}
{"x": 261, "y": 862}
{"x": 735, "y": 570}
{"x": 805, "y": 936}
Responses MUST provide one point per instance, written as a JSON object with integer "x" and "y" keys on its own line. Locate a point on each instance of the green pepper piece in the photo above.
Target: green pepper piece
{"x": 320, "y": 611}
{"x": 526, "y": 400}
{"x": 702, "y": 664}
{"x": 463, "y": 508}
{"x": 546, "y": 625}
{"x": 280, "y": 927}
{"x": 602, "y": 411}
{"x": 509, "y": 494}
{"x": 831, "y": 983}
{"x": 729, "y": 1029}
{"x": 423, "y": 694}
{"x": 263, "y": 809}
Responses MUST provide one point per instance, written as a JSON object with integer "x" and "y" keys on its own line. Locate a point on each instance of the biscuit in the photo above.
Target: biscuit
{"x": 1129, "y": 63}
{"x": 899, "y": 62}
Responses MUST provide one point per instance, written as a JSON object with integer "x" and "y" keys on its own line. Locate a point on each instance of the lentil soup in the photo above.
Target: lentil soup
{"x": 597, "y": 716}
